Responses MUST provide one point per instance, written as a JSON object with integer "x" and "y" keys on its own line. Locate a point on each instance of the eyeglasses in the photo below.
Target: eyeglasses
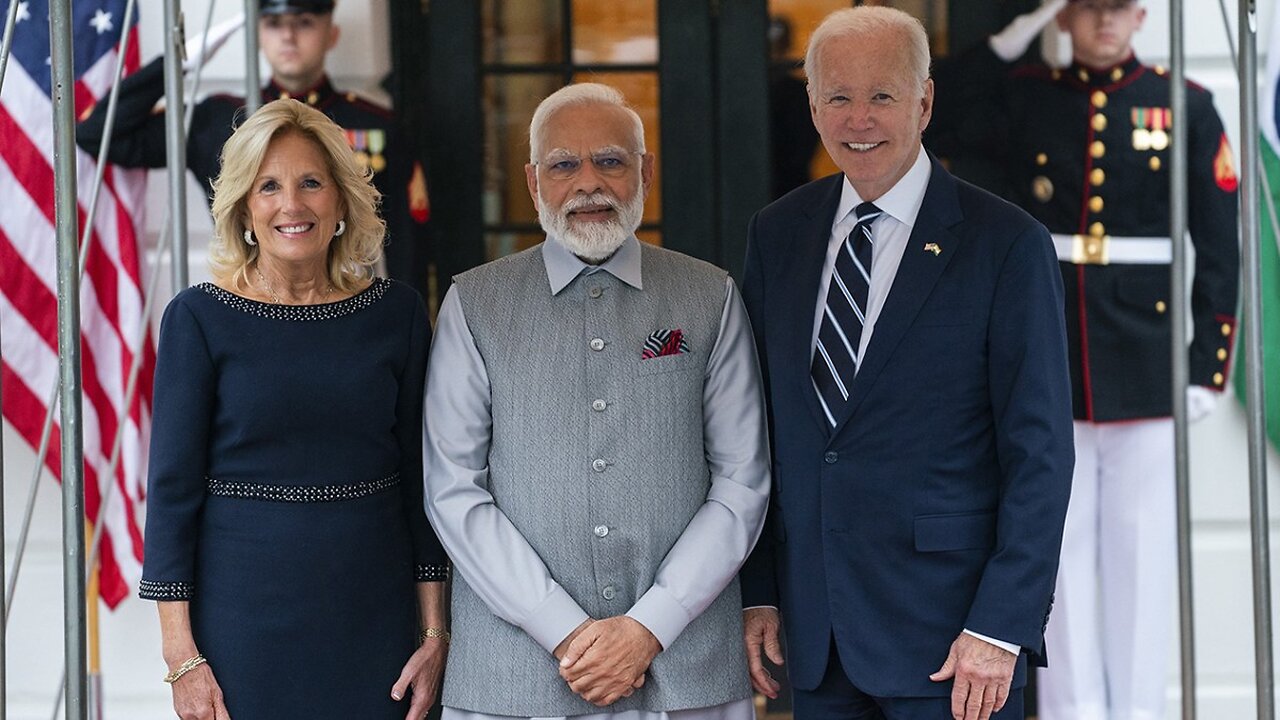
{"x": 611, "y": 163}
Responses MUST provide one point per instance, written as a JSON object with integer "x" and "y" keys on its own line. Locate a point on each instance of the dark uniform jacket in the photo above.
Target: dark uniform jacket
{"x": 139, "y": 141}
{"x": 1086, "y": 152}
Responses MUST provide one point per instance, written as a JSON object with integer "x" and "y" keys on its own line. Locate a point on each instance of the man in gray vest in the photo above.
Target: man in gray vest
{"x": 597, "y": 459}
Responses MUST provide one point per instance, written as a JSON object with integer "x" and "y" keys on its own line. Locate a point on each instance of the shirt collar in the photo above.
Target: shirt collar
{"x": 316, "y": 95}
{"x": 563, "y": 266}
{"x": 902, "y": 202}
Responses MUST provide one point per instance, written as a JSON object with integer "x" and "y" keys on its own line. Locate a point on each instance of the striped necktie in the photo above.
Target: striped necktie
{"x": 835, "y": 357}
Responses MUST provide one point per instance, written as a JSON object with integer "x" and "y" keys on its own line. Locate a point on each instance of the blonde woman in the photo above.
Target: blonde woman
{"x": 295, "y": 571}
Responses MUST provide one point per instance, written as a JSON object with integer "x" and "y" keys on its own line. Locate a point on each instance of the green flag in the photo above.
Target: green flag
{"x": 1269, "y": 257}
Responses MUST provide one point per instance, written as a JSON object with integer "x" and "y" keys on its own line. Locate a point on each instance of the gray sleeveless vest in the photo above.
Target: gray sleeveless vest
{"x": 562, "y": 465}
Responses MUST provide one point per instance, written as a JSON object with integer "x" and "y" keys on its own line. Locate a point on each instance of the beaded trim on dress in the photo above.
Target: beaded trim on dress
{"x": 324, "y": 311}
{"x": 300, "y": 493}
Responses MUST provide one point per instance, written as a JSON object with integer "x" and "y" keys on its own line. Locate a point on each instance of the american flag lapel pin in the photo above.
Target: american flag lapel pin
{"x": 933, "y": 248}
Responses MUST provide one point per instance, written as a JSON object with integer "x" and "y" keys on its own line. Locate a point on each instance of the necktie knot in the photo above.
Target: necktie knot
{"x": 866, "y": 212}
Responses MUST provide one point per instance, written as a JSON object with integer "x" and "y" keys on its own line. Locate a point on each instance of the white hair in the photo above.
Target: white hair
{"x": 580, "y": 94}
{"x": 871, "y": 20}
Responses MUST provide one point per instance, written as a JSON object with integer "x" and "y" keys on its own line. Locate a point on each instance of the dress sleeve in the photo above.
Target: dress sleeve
{"x": 185, "y": 396}
{"x": 430, "y": 562}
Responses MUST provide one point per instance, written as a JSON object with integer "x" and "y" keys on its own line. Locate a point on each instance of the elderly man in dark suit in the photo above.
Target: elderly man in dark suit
{"x": 911, "y": 333}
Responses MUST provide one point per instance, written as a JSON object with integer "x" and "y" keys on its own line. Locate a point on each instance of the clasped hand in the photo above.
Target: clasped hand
{"x": 605, "y": 660}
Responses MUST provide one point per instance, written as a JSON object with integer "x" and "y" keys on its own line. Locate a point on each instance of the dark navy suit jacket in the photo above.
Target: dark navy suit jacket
{"x": 937, "y": 502}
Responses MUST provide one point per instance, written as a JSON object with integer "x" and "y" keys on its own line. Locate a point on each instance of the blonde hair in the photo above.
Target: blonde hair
{"x": 871, "y": 20}
{"x": 352, "y": 254}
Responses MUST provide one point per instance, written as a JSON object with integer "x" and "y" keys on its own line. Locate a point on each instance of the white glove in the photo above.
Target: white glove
{"x": 199, "y": 51}
{"x": 1010, "y": 43}
{"x": 1200, "y": 402}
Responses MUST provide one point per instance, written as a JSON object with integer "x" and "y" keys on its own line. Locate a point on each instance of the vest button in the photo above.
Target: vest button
{"x": 599, "y": 465}
{"x": 601, "y": 530}
{"x": 599, "y": 405}
{"x": 830, "y": 458}
{"x": 596, "y": 344}
{"x": 595, "y": 292}
{"x": 608, "y": 593}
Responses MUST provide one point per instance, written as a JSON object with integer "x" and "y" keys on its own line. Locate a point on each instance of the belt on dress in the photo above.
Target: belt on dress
{"x": 1109, "y": 250}
{"x": 300, "y": 493}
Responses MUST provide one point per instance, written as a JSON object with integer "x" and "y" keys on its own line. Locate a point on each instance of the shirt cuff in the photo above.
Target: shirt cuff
{"x": 552, "y": 621}
{"x": 1009, "y": 647}
{"x": 661, "y": 614}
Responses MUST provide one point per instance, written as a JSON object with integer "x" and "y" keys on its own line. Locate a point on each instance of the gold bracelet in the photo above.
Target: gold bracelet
{"x": 433, "y": 632}
{"x": 187, "y": 666}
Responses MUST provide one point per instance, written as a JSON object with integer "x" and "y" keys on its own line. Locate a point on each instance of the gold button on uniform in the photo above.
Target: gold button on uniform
{"x": 1097, "y": 177}
{"x": 1116, "y": 74}
{"x": 1095, "y": 204}
{"x": 1222, "y": 353}
{"x": 1097, "y": 230}
{"x": 1097, "y": 149}
{"x": 1160, "y": 306}
{"x": 1099, "y": 99}
{"x": 1042, "y": 159}
{"x": 1226, "y": 329}
{"x": 1160, "y": 70}
{"x": 1083, "y": 75}
{"x": 1217, "y": 378}
{"x": 1099, "y": 122}
{"x": 1154, "y": 163}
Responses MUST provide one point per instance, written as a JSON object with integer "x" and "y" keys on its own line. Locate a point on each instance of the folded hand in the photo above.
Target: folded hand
{"x": 608, "y": 659}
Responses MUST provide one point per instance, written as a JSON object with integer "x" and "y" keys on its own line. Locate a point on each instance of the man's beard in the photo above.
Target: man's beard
{"x": 591, "y": 241}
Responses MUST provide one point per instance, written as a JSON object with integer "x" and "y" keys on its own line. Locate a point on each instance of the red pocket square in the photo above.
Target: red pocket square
{"x": 663, "y": 343}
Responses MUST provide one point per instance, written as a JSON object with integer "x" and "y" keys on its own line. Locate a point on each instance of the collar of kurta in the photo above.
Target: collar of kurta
{"x": 563, "y": 266}
{"x": 1093, "y": 78}
{"x": 317, "y": 95}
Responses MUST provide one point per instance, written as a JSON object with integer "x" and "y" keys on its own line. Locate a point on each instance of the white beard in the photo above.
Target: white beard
{"x": 591, "y": 241}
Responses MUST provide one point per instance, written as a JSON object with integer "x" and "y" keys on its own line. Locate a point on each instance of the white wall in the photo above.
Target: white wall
{"x": 130, "y": 640}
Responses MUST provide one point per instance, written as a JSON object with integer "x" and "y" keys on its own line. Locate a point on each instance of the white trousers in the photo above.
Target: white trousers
{"x": 1109, "y": 632}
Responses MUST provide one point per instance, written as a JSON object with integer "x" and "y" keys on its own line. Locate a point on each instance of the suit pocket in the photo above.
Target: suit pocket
{"x": 955, "y": 531}
{"x": 667, "y": 363}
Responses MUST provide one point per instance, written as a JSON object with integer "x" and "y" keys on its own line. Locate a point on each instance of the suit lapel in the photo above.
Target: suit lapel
{"x": 810, "y": 237}
{"x": 917, "y": 275}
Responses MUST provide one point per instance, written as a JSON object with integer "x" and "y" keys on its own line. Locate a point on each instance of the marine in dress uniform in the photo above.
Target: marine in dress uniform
{"x": 1085, "y": 149}
{"x": 372, "y": 130}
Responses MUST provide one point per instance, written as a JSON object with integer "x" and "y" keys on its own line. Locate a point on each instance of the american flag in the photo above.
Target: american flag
{"x": 111, "y": 296}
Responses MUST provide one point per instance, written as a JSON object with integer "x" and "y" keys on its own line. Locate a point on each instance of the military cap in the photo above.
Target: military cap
{"x": 289, "y": 7}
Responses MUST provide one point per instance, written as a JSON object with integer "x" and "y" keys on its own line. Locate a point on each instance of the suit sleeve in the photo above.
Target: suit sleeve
{"x": 758, "y": 576}
{"x": 138, "y": 139}
{"x": 1030, "y": 395}
{"x": 1212, "y": 219}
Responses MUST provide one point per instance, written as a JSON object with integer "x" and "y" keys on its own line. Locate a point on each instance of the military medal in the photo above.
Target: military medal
{"x": 1042, "y": 188}
{"x": 357, "y": 140}
{"x": 377, "y": 143}
{"x": 1141, "y": 135}
{"x": 1160, "y": 120}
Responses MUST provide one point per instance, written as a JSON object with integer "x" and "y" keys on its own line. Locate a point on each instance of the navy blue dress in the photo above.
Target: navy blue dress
{"x": 285, "y": 495}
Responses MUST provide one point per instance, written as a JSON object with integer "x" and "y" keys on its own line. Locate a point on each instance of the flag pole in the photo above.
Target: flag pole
{"x": 252, "y": 83}
{"x": 175, "y": 140}
{"x": 1180, "y": 370}
{"x": 1254, "y": 402}
{"x": 65, "y": 212}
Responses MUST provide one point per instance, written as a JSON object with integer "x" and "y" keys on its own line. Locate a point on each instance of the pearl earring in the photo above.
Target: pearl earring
{"x": 248, "y": 238}
{"x": 342, "y": 227}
